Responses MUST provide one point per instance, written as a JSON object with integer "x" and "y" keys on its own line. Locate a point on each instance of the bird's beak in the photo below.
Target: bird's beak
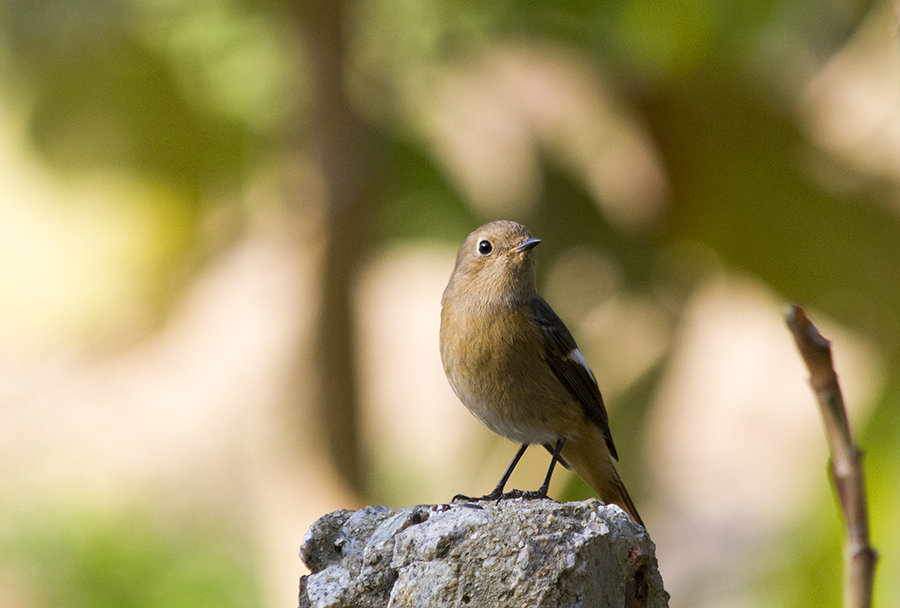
{"x": 527, "y": 244}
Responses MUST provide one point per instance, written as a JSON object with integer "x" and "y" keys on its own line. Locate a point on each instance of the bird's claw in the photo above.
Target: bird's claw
{"x": 497, "y": 496}
{"x": 539, "y": 494}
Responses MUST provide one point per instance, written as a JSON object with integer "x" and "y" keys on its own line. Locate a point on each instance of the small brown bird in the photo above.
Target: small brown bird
{"x": 515, "y": 366}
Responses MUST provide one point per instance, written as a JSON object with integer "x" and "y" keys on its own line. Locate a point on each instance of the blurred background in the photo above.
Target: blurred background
{"x": 225, "y": 227}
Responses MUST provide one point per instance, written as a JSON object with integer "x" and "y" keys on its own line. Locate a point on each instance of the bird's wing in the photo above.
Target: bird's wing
{"x": 570, "y": 367}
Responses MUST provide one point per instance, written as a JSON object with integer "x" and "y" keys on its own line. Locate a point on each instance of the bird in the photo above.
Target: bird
{"x": 514, "y": 364}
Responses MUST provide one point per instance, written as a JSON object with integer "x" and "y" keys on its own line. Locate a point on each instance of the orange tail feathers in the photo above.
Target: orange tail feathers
{"x": 591, "y": 460}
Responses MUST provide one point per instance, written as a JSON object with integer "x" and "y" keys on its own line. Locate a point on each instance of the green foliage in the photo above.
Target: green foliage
{"x": 91, "y": 559}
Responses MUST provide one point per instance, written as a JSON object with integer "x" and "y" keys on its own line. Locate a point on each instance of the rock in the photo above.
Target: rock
{"x": 514, "y": 553}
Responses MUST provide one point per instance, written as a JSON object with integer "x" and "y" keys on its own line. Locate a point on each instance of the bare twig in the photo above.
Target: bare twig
{"x": 846, "y": 459}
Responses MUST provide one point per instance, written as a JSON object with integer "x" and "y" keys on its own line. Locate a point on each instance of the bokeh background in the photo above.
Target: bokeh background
{"x": 225, "y": 227}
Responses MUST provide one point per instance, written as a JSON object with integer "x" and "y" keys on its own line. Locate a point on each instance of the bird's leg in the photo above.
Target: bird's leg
{"x": 542, "y": 491}
{"x": 497, "y": 493}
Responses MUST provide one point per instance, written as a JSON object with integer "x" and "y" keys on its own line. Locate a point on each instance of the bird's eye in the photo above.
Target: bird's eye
{"x": 485, "y": 247}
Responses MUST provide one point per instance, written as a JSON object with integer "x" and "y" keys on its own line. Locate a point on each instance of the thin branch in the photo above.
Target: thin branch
{"x": 846, "y": 459}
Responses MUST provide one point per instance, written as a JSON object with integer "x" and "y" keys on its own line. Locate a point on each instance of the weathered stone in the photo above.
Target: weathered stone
{"x": 513, "y": 553}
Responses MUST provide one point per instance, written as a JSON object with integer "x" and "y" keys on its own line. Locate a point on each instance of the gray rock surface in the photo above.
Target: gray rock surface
{"x": 513, "y": 553}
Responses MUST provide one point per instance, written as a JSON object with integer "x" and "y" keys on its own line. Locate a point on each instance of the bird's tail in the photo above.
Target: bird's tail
{"x": 590, "y": 458}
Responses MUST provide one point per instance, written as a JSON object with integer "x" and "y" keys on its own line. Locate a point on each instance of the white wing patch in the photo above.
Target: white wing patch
{"x": 578, "y": 358}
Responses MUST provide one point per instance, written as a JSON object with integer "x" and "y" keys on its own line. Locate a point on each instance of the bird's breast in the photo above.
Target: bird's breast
{"x": 495, "y": 364}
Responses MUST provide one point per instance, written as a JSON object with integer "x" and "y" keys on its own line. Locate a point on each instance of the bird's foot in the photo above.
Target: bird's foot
{"x": 539, "y": 494}
{"x": 495, "y": 495}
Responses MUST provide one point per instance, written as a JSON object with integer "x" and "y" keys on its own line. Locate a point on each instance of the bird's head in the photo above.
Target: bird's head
{"x": 495, "y": 265}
